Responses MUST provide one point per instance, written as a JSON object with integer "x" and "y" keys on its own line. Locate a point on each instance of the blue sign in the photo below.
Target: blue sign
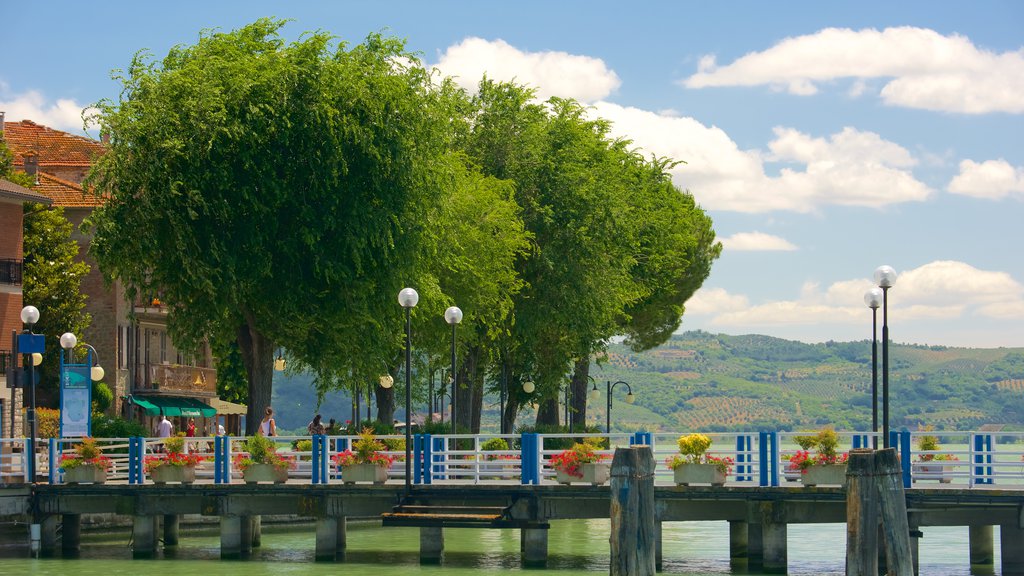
{"x": 31, "y": 343}
{"x": 75, "y": 400}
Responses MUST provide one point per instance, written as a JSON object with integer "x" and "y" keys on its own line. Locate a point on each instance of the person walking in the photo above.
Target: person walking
{"x": 316, "y": 426}
{"x": 267, "y": 426}
{"x": 163, "y": 430}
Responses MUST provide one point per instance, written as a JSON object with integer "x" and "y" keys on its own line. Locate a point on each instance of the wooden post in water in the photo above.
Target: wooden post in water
{"x": 632, "y": 512}
{"x": 861, "y": 514}
{"x": 893, "y": 506}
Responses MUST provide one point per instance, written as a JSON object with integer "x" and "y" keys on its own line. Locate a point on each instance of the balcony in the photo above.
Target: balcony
{"x": 10, "y": 271}
{"x": 178, "y": 380}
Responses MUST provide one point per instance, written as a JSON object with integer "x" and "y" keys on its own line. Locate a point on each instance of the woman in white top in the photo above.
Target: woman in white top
{"x": 267, "y": 426}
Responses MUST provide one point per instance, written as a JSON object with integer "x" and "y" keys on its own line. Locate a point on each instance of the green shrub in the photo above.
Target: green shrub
{"x": 562, "y": 443}
{"x": 104, "y": 426}
{"x": 494, "y": 444}
{"x": 102, "y": 397}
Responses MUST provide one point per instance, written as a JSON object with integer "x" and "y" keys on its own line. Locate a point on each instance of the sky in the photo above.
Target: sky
{"x": 824, "y": 139}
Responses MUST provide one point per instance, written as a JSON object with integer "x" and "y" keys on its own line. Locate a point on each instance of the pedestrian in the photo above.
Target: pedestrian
{"x": 316, "y": 426}
{"x": 163, "y": 430}
{"x": 267, "y": 426}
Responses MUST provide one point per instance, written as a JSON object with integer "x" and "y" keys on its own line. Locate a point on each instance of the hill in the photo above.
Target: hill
{"x": 717, "y": 382}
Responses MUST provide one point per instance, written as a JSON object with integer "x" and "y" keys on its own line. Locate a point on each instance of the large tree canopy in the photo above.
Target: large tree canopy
{"x": 272, "y": 192}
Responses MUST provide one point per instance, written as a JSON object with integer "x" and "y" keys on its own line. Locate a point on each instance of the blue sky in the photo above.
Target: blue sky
{"x": 825, "y": 139}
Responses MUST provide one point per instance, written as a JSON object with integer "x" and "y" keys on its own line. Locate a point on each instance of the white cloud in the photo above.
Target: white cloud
{"x": 992, "y": 179}
{"x": 943, "y": 290}
{"x": 553, "y": 73}
{"x": 928, "y": 70}
{"x": 64, "y": 114}
{"x": 850, "y": 168}
{"x": 757, "y": 242}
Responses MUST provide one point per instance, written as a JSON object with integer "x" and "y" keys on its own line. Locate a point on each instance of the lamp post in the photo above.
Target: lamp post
{"x": 885, "y": 277}
{"x": 453, "y": 315}
{"x": 386, "y": 382}
{"x": 609, "y": 388}
{"x": 873, "y": 298}
{"x": 408, "y": 298}
{"x": 501, "y": 398}
{"x": 29, "y": 317}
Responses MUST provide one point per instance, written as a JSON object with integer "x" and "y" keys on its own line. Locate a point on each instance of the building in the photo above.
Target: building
{"x": 149, "y": 374}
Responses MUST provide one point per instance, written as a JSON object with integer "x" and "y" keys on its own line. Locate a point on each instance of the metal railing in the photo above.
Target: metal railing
{"x": 966, "y": 459}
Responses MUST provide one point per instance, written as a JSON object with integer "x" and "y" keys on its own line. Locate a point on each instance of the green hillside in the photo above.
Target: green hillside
{"x": 717, "y": 382}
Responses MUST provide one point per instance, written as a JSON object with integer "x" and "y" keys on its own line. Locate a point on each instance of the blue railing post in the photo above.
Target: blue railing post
{"x": 530, "y": 458}
{"x": 983, "y": 449}
{"x": 318, "y": 472}
{"x": 325, "y": 451}
{"x": 135, "y": 459}
{"x": 221, "y": 460}
{"x": 763, "y": 455}
{"x": 428, "y": 457}
{"x": 417, "y": 458}
{"x": 774, "y": 441}
{"x": 438, "y": 453}
{"x": 54, "y": 459}
{"x": 30, "y": 452}
{"x": 904, "y": 453}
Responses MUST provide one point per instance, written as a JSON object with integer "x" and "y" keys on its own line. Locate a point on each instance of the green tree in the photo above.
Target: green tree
{"x": 273, "y": 193}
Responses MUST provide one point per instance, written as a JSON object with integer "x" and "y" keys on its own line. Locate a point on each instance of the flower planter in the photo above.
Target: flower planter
{"x": 933, "y": 470}
{"x": 167, "y": 474}
{"x": 85, "y": 474}
{"x": 593, "y": 473}
{"x": 364, "y": 473}
{"x": 686, "y": 474}
{"x": 825, "y": 475}
{"x": 257, "y": 473}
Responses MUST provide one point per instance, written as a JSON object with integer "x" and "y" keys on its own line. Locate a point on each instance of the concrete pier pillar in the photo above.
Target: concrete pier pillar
{"x": 171, "y": 522}
{"x": 144, "y": 536}
{"x": 48, "y": 535}
{"x": 431, "y": 544}
{"x": 71, "y": 534}
{"x": 246, "y": 529}
{"x": 535, "y": 546}
{"x": 257, "y": 531}
{"x": 1011, "y": 546}
{"x": 230, "y": 537}
{"x": 327, "y": 538}
{"x": 738, "y": 535}
{"x": 982, "y": 544}
{"x": 342, "y": 535}
{"x": 657, "y": 545}
{"x": 755, "y": 544}
{"x": 773, "y": 538}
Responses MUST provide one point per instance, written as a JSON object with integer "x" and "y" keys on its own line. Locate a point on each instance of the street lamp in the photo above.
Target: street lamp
{"x": 453, "y": 315}
{"x": 630, "y": 398}
{"x": 68, "y": 341}
{"x": 885, "y": 277}
{"x": 29, "y": 317}
{"x": 873, "y": 298}
{"x": 408, "y": 298}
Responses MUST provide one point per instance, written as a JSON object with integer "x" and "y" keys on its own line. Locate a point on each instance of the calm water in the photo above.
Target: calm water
{"x": 575, "y": 548}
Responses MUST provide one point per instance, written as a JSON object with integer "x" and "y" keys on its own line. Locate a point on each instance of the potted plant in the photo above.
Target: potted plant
{"x": 581, "y": 463}
{"x": 174, "y": 466}
{"x": 823, "y": 467}
{"x": 930, "y": 465}
{"x": 260, "y": 461}
{"x": 367, "y": 463}
{"x": 86, "y": 465}
{"x": 495, "y": 464}
{"x": 693, "y": 465}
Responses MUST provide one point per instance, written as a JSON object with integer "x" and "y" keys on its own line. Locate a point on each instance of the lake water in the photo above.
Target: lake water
{"x": 576, "y": 547}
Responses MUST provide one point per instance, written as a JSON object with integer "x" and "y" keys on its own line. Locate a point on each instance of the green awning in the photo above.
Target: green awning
{"x": 174, "y": 406}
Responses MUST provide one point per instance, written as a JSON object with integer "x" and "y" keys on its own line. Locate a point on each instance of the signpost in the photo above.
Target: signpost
{"x": 76, "y": 399}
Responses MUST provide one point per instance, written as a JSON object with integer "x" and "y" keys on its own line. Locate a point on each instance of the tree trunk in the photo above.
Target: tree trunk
{"x": 511, "y": 411}
{"x": 386, "y": 401}
{"x": 547, "y": 412}
{"x": 471, "y": 390}
{"x": 578, "y": 409}
{"x": 258, "y": 359}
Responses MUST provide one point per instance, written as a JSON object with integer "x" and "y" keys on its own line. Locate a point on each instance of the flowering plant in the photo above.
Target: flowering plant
{"x": 261, "y": 449}
{"x": 930, "y": 443}
{"x": 824, "y": 443}
{"x": 368, "y": 450}
{"x": 569, "y": 461}
{"x": 175, "y": 456}
{"x": 693, "y": 449}
{"x": 86, "y": 454}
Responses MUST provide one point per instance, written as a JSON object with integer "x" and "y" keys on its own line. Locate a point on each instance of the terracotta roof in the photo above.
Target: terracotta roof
{"x": 54, "y": 147}
{"x": 66, "y": 194}
{"x": 11, "y": 190}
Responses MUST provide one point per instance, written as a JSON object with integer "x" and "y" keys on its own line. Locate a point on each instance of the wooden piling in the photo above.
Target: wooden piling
{"x": 893, "y": 508}
{"x": 171, "y": 529}
{"x": 861, "y": 515}
{"x": 71, "y": 534}
{"x": 632, "y": 512}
